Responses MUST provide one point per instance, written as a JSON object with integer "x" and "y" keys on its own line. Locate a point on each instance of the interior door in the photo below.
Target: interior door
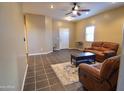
{"x": 63, "y": 38}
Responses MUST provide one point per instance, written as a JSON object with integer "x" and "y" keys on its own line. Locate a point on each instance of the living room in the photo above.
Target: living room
{"x": 51, "y": 43}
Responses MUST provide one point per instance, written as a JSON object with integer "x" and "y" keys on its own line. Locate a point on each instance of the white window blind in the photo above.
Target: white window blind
{"x": 89, "y": 33}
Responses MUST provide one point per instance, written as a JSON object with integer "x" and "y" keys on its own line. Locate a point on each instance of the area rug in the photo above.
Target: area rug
{"x": 66, "y": 72}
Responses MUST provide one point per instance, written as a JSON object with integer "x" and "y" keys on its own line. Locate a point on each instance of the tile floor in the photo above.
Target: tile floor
{"x": 41, "y": 77}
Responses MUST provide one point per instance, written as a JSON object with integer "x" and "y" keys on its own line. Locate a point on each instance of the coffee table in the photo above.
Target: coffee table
{"x": 84, "y": 57}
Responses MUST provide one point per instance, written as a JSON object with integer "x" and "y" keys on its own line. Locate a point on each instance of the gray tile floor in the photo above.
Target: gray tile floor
{"x": 41, "y": 77}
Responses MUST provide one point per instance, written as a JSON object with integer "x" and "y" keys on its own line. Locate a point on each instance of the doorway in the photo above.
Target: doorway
{"x": 64, "y": 38}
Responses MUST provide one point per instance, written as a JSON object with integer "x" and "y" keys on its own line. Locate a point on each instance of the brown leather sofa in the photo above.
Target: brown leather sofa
{"x": 100, "y": 76}
{"x": 103, "y": 50}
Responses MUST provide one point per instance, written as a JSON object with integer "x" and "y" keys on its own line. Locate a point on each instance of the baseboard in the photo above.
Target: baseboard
{"x": 72, "y": 48}
{"x": 33, "y": 54}
{"x": 65, "y": 48}
{"x": 57, "y": 49}
{"x": 80, "y": 49}
{"x": 48, "y": 52}
{"x": 24, "y": 77}
{"x": 69, "y": 48}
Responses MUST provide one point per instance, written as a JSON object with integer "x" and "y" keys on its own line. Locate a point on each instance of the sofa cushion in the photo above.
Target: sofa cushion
{"x": 96, "y": 48}
{"x": 109, "y": 52}
{"x": 110, "y": 45}
{"x": 103, "y": 49}
{"x": 100, "y": 53}
{"x": 97, "y": 44}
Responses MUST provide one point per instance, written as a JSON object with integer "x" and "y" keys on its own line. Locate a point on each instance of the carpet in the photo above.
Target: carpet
{"x": 66, "y": 72}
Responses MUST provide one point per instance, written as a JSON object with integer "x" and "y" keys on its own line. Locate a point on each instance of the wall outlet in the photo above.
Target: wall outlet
{"x": 41, "y": 49}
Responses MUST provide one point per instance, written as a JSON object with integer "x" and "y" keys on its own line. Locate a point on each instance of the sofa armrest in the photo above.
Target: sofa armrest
{"x": 89, "y": 48}
{"x": 109, "y": 53}
{"x": 85, "y": 49}
{"x": 89, "y": 71}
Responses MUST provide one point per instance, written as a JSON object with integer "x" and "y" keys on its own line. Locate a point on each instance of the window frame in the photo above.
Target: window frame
{"x": 93, "y": 33}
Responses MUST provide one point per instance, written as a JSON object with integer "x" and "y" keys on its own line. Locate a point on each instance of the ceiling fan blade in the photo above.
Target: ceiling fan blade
{"x": 83, "y": 10}
{"x": 73, "y": 16}
{"x": 78, "y": 14}
{"x": 68, "y": 13}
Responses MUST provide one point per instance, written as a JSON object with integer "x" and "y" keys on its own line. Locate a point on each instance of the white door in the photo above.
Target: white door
{"x": 63, "y": 38}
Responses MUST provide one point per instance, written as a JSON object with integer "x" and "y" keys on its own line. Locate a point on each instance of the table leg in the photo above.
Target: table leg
{"x": 94, "y": 60}
{"x": 71, "y": 59}
{"x": 76, "y": 64}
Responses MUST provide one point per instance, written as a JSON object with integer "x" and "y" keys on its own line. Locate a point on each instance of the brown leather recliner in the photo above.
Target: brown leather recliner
{"x": 100, "y": 76}
{"x": 103, "y": 50}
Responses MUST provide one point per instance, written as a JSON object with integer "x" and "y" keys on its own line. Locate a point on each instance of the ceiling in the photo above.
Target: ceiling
{"x": 60, "y": 9}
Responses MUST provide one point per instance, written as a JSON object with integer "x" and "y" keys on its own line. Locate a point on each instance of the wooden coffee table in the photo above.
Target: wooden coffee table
{"x": 84, "y": 57}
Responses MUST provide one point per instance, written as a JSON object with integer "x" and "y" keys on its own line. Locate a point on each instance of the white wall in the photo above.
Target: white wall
{"x": 48, "y": 34}
{"x": 120, "y": 86}
{"x": 12, "y": 50}
{"x": 35, "y": 25}
{"x": 39, "y": 33}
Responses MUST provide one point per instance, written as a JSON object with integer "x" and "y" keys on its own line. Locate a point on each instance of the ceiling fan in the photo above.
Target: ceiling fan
{"x": 76, "y": 11}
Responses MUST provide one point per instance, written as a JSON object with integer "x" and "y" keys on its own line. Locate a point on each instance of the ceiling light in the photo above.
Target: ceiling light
{"x": 87, "y": 13}
{"x": 74, "y": 12}
{"x": 68, "y": 18}
{"x": 51, "y": 6}
{"x": 76, "y": 7}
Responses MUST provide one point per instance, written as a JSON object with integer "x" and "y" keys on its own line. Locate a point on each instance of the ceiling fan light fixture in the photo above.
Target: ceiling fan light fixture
{"x": 51, "y": 6}
{"x": 87, "y": 13}
{"x": 76, "y": 7}
{"x": 74, "y": 12}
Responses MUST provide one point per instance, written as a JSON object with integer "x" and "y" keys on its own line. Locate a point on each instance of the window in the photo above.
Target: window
{"x": 89, "y": 33}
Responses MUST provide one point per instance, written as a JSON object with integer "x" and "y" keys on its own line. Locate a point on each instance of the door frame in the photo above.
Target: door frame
{"x": 68, "y": 37}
